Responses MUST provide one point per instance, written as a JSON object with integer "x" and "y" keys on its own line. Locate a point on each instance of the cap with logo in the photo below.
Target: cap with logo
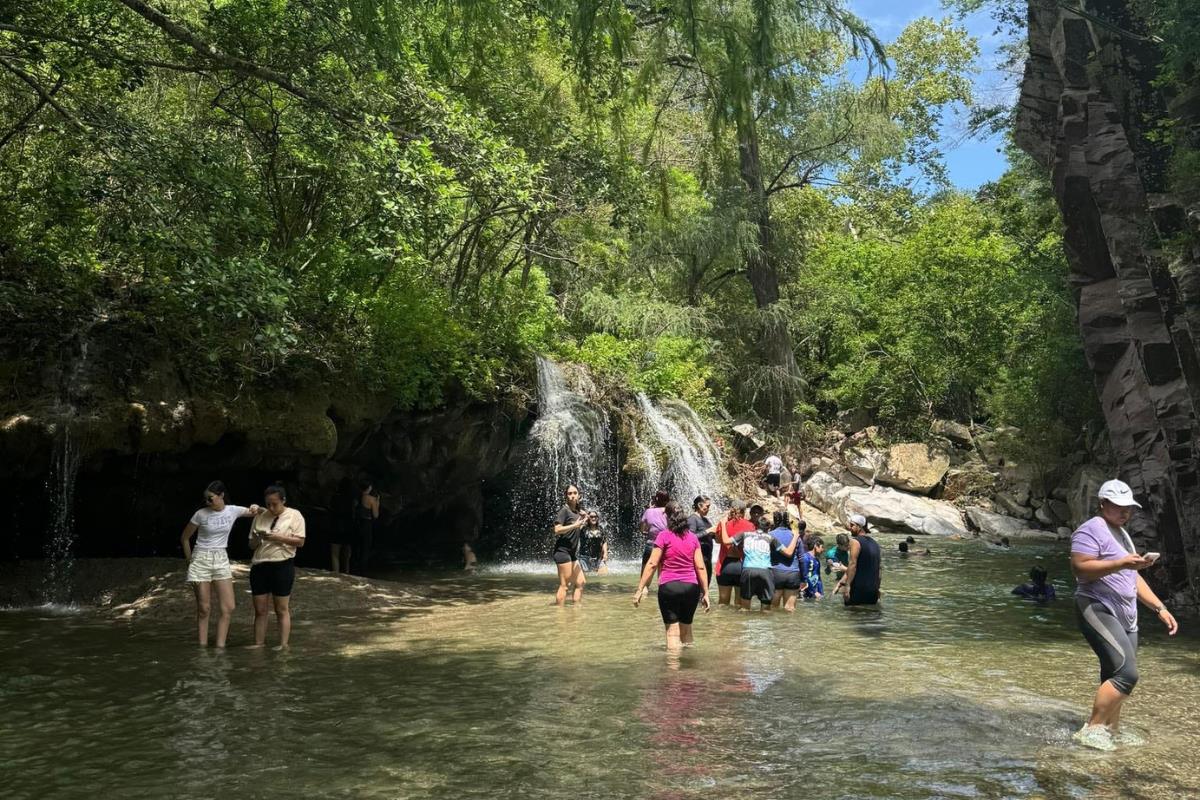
{"x": 1118, "y": 493}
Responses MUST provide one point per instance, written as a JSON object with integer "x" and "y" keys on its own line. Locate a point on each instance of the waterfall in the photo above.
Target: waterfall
{"x": 693, "y": 464}
{"x": 572, "y": 445}
{"x": 60, "y": 536}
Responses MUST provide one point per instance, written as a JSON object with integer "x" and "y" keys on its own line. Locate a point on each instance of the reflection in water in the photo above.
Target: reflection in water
{"x": 952, "y": 688}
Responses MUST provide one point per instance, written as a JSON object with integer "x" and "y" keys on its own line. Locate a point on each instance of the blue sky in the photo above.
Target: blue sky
{"x": 971, "y": 161}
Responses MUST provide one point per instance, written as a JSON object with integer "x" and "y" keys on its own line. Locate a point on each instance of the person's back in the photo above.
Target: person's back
{"x": 865, "y": 586}
{"x": 779, "y": 561}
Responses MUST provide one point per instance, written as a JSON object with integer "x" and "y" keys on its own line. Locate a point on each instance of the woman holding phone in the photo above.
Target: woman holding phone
{"x": 208, "y": 562}
{"x": 1109, "y": 588}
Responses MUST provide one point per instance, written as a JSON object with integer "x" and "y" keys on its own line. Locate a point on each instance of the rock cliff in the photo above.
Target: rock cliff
{"x": 1087, "y": 103}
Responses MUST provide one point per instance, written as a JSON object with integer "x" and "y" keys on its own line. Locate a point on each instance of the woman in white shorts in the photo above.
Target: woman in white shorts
{"x": 208, "y": 563}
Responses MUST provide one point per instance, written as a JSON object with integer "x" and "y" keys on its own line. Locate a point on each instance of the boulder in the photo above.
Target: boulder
{"x": 821, "y": 491}
{"x": 990, "y": 524}
{"x": 852, "y": 420}
{"x": 1058, "y": 511}
{"x": 1010, "y": 506}
{"x": 1081, "y": 492}
{"x": 899, "y": 512}
{"x": 748, "y": 440}
{"x": 885, "y": 507}
{"x": 956, "y": 432}
{"x": 972, "y": 479}
{"x": 1043, "y": 515}
{"x": 864, "y": 462}
{"x": 914, "y": 467}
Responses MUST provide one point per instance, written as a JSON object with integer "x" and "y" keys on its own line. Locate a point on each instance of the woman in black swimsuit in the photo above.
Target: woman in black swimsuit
{"x": 567, "y": 525}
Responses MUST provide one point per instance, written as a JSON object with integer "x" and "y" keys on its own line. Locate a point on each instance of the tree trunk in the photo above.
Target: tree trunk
{"x": 777, "y": 399}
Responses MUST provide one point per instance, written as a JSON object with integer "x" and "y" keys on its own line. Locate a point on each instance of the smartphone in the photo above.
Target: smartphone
{"x": 1151, "y": 556}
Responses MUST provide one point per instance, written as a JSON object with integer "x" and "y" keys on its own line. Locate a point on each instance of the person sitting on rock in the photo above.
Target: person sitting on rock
{"x": 1036, "y": 588}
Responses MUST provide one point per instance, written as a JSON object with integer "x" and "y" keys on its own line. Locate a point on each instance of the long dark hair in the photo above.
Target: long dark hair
{"x": 216, "y": 487}
{"x": 660, "y": 500}
{"x": 677, "y": 518}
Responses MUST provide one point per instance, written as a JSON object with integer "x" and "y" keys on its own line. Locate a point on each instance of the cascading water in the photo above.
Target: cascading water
{"x": 573, "y": 445}
{"x": 60, "y": 535}
{"x": 693, "y": 465}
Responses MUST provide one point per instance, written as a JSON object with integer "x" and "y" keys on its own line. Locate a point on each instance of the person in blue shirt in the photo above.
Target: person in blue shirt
{"x": 810, "y": 568}
{"x": 1036, "y": 588}
{"x": 757, "y": 547}
{"x": 785, "y": 570}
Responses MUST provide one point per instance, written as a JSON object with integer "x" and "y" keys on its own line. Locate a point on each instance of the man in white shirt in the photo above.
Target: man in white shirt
{"x": 774, "y": 467}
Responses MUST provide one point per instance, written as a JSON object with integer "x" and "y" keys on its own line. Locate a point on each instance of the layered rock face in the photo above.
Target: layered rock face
{"x": 1086, "y": 104}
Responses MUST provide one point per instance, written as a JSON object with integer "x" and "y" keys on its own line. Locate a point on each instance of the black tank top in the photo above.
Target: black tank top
{"x": 866, "y": 572}
{"x": 361, "y": 512}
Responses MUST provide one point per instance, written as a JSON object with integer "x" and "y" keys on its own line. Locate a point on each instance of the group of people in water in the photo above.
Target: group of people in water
{"x": 751, "y": 553}
{"x": 760, "y": 555}
{"x": 768, "y": 557}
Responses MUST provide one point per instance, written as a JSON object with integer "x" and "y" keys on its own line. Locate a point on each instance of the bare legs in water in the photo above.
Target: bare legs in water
{"x": 204, "y": 609}
{"x": 283, "y": 615}
{"x": 570, "y": 573}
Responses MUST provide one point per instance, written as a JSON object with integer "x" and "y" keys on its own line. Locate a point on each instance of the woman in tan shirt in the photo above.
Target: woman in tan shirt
{"x": 276, "y": 534}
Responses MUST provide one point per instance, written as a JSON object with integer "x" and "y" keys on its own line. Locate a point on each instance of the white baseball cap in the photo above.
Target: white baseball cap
{"x": 861, "y": 521}
{"x": 1118, "y": 493}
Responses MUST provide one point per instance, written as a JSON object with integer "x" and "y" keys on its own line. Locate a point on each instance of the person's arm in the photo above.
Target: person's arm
{"x": 647, "y": 573}
{"x": 791, "y": 548}
{"x": 1150, "y": 600}
{"x": 189, "y": 531}
{"x": 374, "y": 506}
{"x": 702, "y": 576}
{"x": 560, "y": 527}
{"x": 1089, "y": 568}
{"x": 848, "y": 577}
{"x": 723, "y": 533}
{"x": 252, "y": 511}
{"x": 604, "y": 549}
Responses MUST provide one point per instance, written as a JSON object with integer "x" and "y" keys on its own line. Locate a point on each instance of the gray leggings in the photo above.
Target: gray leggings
{"x": 1115, "y": 646}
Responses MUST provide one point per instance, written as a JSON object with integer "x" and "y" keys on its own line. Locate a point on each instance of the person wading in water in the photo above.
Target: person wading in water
{"x": 208, "y": 564}
{"x": 275, "y": 535}
{"x": 863, "y": 575}
{"x": 567, "y": 524}
{"x": 682, "y": 583}
{"x": 1109, "y": 588}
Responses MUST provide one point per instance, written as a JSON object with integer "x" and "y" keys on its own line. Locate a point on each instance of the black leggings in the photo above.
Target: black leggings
{"x": 677, "y": 601}
{"x": 1115, "y": 646}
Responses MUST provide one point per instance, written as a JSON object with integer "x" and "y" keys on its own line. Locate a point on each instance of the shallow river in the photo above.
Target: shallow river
{"x": 954, "y": 688}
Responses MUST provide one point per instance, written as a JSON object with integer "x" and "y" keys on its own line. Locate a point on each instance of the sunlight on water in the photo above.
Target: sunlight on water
{"x": 953, "y": 688}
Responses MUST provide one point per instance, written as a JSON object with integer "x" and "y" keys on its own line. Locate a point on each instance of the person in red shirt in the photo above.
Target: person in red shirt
{"x": 729, "y": 561}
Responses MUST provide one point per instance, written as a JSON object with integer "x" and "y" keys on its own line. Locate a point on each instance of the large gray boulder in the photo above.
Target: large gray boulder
{"x": 991, "y": 524}
{"x": 910, "y": 466}
{"x": 884, "y": 507}
{"x": 956, "y": 432}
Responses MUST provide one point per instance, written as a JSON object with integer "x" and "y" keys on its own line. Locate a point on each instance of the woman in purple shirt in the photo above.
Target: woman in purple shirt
{"x": 1106, "y": 570}
{"x": 683, "y": 581}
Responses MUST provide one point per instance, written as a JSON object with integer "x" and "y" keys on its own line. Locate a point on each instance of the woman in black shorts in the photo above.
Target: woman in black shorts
{"x": 567, "y": 524}
{"x": 275, "y": 535}
{"x": 682, "y": 582}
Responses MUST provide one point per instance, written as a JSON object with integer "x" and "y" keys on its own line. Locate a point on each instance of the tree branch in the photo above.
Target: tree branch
{"x": 47, "y": 98}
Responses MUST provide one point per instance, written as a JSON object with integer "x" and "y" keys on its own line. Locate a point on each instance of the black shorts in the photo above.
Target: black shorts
{"x": 787, "y": 579}
{"x": 273, "y": 577}
{"x": 677, "y": 601}
{"x": 647, "y": 549}
{"x": 758, "y": 583}
{"x": 773, "y": 481}
{"x": 562, "y": 556}
{"x": 731, "y": 572}
{"x": 862, "y": 597}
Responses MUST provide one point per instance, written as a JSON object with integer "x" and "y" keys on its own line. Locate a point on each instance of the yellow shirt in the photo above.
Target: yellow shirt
{"x": 290, "y": 522}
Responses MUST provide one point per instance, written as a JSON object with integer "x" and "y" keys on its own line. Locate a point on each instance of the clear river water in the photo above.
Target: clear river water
{"x": 953, "y": 688}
